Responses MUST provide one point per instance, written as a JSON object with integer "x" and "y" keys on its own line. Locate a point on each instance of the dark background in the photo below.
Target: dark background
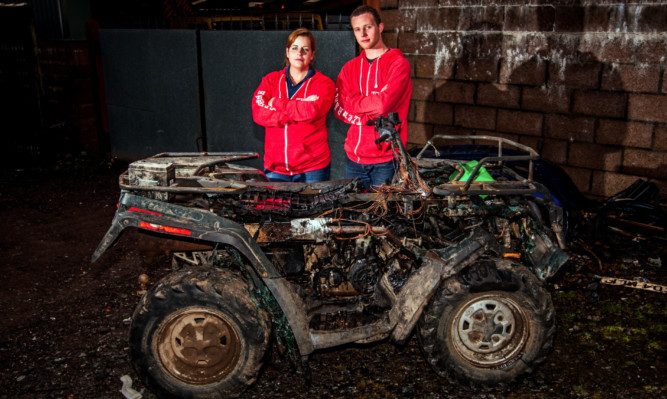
{"x": 125, "y": 80}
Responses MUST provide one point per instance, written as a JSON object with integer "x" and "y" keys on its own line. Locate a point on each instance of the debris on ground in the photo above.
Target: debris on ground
{"x": 127, "y": 390}
{"x": 639, "y": 283}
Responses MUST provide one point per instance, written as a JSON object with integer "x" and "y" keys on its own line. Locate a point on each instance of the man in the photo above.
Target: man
{"x": 373, "y": 84}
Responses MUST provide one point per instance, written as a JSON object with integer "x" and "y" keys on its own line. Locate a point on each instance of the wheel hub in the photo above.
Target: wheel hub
{"x": 198, "y": 346}
{"x": 489, "y": 330}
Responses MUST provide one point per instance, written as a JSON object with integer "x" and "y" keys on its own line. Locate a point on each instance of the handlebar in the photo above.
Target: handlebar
{"x": 385, "y": 126}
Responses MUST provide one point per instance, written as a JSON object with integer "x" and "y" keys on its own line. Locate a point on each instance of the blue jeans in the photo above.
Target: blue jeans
{"x": 307, "y": 177}
{"x": 376, "y": 174}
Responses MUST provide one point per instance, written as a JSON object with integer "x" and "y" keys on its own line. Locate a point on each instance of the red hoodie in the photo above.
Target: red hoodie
{"x": 365, "y": 91}
{"x": 296, "y": 131}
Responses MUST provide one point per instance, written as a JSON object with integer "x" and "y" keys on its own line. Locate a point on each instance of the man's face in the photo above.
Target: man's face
{"x": 366, "y": 31}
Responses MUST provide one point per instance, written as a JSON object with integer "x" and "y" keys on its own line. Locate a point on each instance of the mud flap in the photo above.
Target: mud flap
{"x": 544, "y": 254}
{"x": 110, "y": 237}
{"x": 437, "y": 265}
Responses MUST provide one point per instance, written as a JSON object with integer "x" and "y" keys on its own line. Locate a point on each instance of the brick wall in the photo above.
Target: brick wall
{"x": 584, "y": 82}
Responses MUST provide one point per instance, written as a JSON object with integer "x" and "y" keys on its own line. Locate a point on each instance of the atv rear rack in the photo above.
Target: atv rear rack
{"x": 520, "y": 186}
{"x": 191, "y": 172}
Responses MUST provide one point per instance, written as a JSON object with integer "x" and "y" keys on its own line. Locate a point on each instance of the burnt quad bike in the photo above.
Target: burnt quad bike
{"x": 456, "y": 252}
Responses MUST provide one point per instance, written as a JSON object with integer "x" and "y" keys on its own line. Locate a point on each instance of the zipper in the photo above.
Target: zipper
{"x": 307, "y": 83}
{"x": 286, "y": 163}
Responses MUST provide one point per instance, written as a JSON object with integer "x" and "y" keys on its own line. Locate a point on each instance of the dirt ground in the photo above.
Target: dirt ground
{"x": 65, "y": 320}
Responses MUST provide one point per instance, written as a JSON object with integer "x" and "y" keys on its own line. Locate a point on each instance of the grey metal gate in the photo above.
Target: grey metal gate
{"x": 152, "y": 80}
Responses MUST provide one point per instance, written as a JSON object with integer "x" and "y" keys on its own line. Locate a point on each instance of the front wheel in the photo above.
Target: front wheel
{"x": 198, "y": 334}
{"x": 490, "y": 324}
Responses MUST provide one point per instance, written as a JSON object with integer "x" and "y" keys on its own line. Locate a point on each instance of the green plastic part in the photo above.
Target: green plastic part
{"x": 468, "y": 169}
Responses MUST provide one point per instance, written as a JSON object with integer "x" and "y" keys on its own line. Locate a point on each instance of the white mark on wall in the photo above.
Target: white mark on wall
{"x": 615, "y": 39}
{"x": 558, "y": 58}
{"x": 406, "y": 15}
{"x": 520, "y": 47}
{"x": 447, "y": 52}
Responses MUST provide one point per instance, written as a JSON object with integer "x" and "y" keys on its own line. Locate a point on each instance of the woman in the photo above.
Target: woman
{"x": 293, "y": 104}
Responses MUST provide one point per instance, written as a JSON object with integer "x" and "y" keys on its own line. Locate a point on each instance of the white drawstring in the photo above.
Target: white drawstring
{"x": 305, "y": 95}
{"x": 361, "y": 69}
{"x": 299, "y": 89}
{"x": 368, "y": 77}
{"x": 377, "y": 61}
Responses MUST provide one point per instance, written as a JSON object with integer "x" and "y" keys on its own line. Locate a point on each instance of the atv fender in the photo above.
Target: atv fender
{"x": 177, "y": 221}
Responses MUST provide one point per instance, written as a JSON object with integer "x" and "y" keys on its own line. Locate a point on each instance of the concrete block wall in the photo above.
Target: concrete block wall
{"x": 584, "y": 82}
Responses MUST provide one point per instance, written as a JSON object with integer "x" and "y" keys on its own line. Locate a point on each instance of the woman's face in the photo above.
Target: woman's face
{"x": 300, "y": 54}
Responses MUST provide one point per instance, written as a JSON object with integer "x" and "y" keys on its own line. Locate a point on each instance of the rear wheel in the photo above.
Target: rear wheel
{"x": 198, "y": 334}
{"x": 490, "y": 324}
